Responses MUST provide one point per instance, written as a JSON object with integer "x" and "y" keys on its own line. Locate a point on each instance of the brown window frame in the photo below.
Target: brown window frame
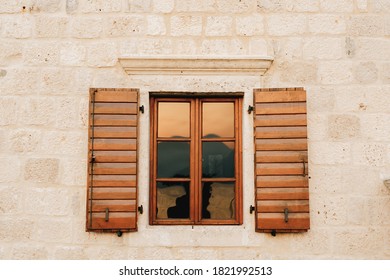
{"x": 195, "y": 180}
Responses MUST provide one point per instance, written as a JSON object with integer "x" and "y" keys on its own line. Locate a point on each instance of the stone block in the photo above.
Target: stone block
{"x": 317, "y": 125}
{"x": 51, "y": 27}
{"x": 10, "y": 53}
{"x": 19, "y": 27}
{"x": 67, "y": 143}
{"x": 12, "y": 229}
{"x": 86, "y": 27}
{"x": 195, "y": 6}
{"x": 71, "y": 6}
{"x": 11, "y": 6}
{"x": 358, "y": 208}
{"x": 378, "y": 211}
{"x": 215, "y": 47}
{"x": 241, "y": 6}
{"x": 125, "y": 26}
{"x": 186, "y": 47}
{"x": 29, "y": 252}
{"x": 52, "y": 230}
{"x": 369, "y": 154}
{"x": 250, "y": 25}
{"x": 372, "y": 49}
{"x": 102, "y": 55}
{"x": 38, "y": 111}
{"x": 271, "y": 5}
{"x": 197, "y": 253}
{"x": 74, "y": 172}
{"x": 366, "y": 72}
{"x": 219, "y": 26}
{"x": 258, "y": 47}
{"x": 155, "y": 46}
{"x": 163, "y": 6}
{"x": 50, "y": 202}
{"x": 156, "y": 25}
{"x": 41, "y": 54}
{"x": 100, "y": 6}
{"x": 362, "y": 5}
{"x": 330, "y": 152}
{"x": 9, "y": 107}
{"x": 50, "y": 6}
{"x": 327, "y": 24}
{"x": 335, "y": 72}
{"x": 10, "y": 200}
{"x": 73, "y": 54}
{"x": 385, "y": 73}
{"x": 140, "y": 5}
{"x": 375, "y": 127}
{"x": 300, "y": 73}
{"x": 329, "y": 210}
{"x": 286, "y": 25}
{"x": 343, "y": 127}
{"x": 287, "y": 48}
{"x": 324, "y": 48}
{"x": 25, "y": 140}
{"x": 71, "y": 253}
{"x": 363, "y": 25}
{"x": 302, "y": 5}
{"x": 380, "y": 6}
{"x": 186, "y": 25}
{"x": 337, "y": 6}
{"x": 42, "y": 170}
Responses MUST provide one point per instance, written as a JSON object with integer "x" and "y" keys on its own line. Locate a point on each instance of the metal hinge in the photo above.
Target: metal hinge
{"x": 142, "y": 109}
{"x": 250, "y": 109}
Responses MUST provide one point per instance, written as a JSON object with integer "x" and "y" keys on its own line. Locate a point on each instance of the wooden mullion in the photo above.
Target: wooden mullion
{"x": 197, "y": 164}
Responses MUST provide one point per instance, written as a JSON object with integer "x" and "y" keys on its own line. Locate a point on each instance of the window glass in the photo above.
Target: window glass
{"x": 173, "y": 159}
{"x": 218, "y": 119}
{"x": 218, "y": 200}
{"x": 173, "y": 119}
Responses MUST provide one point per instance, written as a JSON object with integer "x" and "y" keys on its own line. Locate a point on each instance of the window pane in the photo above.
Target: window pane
{"x": 173, "y": 119}
{"x": 173, "y": 159}
{"x": 218, "y": 201}
{"x": 173, "y": 200}
{"x": 218, "y": 159}
{"x": 218, "y": 119}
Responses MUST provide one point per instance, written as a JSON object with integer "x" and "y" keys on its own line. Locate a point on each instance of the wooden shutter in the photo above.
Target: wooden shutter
{"x": 281, "y": 169}
{"x": 112, "y": 167}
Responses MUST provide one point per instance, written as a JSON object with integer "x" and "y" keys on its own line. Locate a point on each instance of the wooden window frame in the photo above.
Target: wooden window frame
{"x": 196, "y": 100}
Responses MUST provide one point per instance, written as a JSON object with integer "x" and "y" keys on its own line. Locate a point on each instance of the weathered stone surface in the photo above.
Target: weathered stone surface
{"x": 46, "y": 5}
{"x": 51, "y": 26}
{"x": 250, "y": 25}
{"x": 98, "y": 6}
{"x": 369, "y": 154}
{"x": 366, "y": 72}
{"x": 8, "y": 110}
{"x": 10, "y": 201}
{"x": 19, "y": 27}
{"x": 46, "y": 202}
{"x": 219, "y": 26}
{"x": 363, "y": 25}
{"x": 102, "y": 55}
{"x": 335, "y": 73}
{"x": 186, "y": 25}
{"x": 298, "y": 73}
{"x": 330, "y": 153}
{"x": 324, "y": 48}
{"x": 327, "y": 24}
{"x": 25, "y": 140}
{"x": 343, "y": 127}
{"x": 70, "y": 253}
{"x": 195, "y": 6}
{"x": 284, "y": 25}
{"x": 86, "y": 27}
{"x": 337, "y": 6}
{"x": 125, "y": 26}
{"x": 43, "y": 54}
{"x": 23, "y": 252}
{"x": 71, "y": 6}
{"x": 235, "y": 6}
{"x": 156, "y": 25}
{"x": 73, "y": 54}
{"x": 41, "y": 170}
{"x": 163, "y": 6}
{"x": 385, "y": 73}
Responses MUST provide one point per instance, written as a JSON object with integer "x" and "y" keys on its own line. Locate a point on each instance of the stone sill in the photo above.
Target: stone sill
{"x": 196, "y": 65}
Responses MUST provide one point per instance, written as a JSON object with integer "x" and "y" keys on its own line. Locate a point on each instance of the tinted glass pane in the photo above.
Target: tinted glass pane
{"x": 173, "y": 159}
{"x": 218, "y": 119}
{"x": 218, "y": 159}
{"x": 218, "y": 201}
{"x": 173, "y": 119}
{"x": 173, "y": 200}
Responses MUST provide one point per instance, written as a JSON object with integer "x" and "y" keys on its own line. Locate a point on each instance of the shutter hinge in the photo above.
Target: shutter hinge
{"x": 286, "y": 215}
{"x": 141, "y": 209}
{"x": 252, "y": 209}
{"x": 250, "y": 109}
{"x": 142, "y": 109}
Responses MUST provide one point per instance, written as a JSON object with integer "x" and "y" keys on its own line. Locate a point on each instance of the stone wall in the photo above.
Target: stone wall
{"x": 53, "y": 51}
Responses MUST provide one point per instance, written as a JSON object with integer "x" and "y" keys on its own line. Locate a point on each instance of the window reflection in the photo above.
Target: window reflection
{"x": 218, "y": 201}
{"x": 218, "y": 159}
{"x": 173, "y": 200}
{"x": 173, "y": 159}
{"x": 218, "y": 119}
{"x": 173, "y": 119}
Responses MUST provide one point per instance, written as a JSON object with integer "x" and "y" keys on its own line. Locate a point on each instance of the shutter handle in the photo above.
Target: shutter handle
{"x": 141, "y": 209}
{"x": 107, "y": 215}
{"x": 286, "y": 215}
{"x": 304, "y": 168}
{"x": 252, "y": 209}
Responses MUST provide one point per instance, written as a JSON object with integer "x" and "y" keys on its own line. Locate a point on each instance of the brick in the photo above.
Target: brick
{"x": 343, "y": 127}
{"x": 42, "y": 170}
{"x": 73, "y": 54}
{"x": 156, "y": 25}
{"x": 19, "y": 27}
{"x": 363, "y": 25}
{"x": 324, "y": 48}
{"x": 29, "y": 252}
{"x": 250, "y": 25}
{"x": 240, "y": 6}
{"x": 366, "y": 72}
{"x": 51, "y": 27}
{"x": 163, "y": 6}
{"x": 25, "y": 140}
{"x": 330, "y": 153}
{"x": 337, "y": 6}
{"x": 369, "y": 154}
{"x": 86, "y": 28}
{"x": 327, "y": 24}
{"x": 102, "y": 55}
{"x": 195, "y": 6}
{"x": 125, "y": 26}
{"x": 335, "y": 73}
{"x": 285, "y": 25}
{"x": 100, "y": 6}
{"x": 219, "y": 26}
{"x": 186, "y": 25}
{"x": 41, "y": 54}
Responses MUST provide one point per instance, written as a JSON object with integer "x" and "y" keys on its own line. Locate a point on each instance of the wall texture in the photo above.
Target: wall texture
{"x": 53, "y": 51}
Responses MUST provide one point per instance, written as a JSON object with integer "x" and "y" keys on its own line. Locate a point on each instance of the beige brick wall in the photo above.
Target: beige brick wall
{"x": 52, "y": 52}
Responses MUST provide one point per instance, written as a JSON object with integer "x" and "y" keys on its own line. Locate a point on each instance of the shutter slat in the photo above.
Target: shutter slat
{"x": 112, "y": 180}
{"x": 281, "y": 163}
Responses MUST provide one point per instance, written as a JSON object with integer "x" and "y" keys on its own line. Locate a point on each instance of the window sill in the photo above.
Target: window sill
{"x": 196, "y": 65}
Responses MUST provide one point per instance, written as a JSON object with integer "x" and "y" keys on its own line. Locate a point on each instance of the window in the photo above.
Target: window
{"x": 195, "y": 160}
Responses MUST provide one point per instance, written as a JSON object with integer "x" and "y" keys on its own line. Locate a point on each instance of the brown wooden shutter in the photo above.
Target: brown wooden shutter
{"x": 112, "y": 167}
{"x": 281, "y": 169}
